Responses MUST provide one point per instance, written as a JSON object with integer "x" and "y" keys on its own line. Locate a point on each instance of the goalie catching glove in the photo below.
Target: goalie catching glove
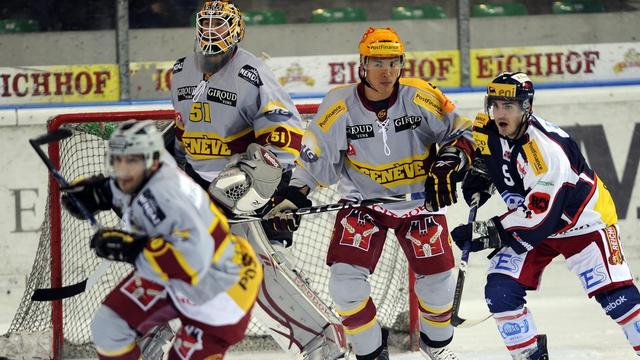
{"x": 94, "y": 193}
{"x": 248, "y": 181}
{"x": 481, "y": 234}
{"x": 291, "y": 199}
{"x": 118, "y": 245}
{"x": 440, "y": 186}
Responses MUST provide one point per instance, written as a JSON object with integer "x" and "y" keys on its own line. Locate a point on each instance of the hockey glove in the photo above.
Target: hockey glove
{"x": 290, "y": 199}
{"x": 440, "y": 186}
{"x": 478, "y": 181}
{"x": 118, "y": 245}
{"x": 481, "y": 234}
{"x": 94, "y": 193}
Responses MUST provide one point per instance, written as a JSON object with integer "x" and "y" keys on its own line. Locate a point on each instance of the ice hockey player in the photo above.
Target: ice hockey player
{"x": 226, "y": 99}
{"x": 187, "y": 263}
{"x": 386, "y": 136}
{"x": 557, "y": 205}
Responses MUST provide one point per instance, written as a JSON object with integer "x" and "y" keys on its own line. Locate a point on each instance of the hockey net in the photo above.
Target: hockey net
{"x": 63, "y": 256}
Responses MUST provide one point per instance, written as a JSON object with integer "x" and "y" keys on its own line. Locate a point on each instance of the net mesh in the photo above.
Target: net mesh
{"x": 83, "y": 155}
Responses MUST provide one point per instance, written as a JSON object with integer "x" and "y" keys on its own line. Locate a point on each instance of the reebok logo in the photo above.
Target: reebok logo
{"x": 444, "y": 163}
{"x": 612, "y": 305}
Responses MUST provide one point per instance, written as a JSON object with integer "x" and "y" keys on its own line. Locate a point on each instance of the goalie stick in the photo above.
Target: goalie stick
{"x": 456, "y": 320}
{"x": 50, "y": 294}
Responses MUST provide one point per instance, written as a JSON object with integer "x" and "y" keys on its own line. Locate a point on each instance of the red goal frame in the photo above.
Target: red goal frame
{"x": 55, "y": 215}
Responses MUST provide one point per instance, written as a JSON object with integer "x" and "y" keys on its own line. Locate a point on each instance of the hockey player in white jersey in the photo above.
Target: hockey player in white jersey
{"x": 386, "y": 136}
{"x": 187, "y": 263}
{"x": 557, "y": 205}
{"x": 226, "y": 99}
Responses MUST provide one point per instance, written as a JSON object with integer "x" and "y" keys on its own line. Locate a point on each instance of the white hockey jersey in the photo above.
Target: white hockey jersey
{"x": 348, "y": 144}
{"x": 221, "y": 115}
{"x": 191, "y": 250}
{"x": 548, "y": 186}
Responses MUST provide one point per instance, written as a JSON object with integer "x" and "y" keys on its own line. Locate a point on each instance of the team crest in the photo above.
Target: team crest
{"x": 424, "y": 235}
{"x": 188, "y": 340}
{"x": 358, "y": 230}
{"x": 143, "y": 292}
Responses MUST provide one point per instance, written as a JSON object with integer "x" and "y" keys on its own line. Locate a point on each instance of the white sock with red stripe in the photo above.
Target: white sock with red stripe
{"x": 630, "y": 323}
{"x": 518, "y": 330}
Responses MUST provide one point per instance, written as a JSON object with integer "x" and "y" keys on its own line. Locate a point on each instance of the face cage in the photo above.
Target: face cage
{"x": 220, "y": 35}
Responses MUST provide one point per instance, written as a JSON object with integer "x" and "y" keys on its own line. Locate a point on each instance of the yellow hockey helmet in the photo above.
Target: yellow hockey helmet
{"x": 381, "y": 42}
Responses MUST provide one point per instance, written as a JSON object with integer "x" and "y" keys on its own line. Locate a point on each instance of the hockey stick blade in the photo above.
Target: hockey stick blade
{"x": 52, "y": 294}
{"x": 326, "y": 208}
{"x": 56, "y": 135}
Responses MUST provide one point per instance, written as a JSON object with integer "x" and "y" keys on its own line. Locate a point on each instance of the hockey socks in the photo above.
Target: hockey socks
{"x": 623, "y": 306}
{"x": 518, "y": 331}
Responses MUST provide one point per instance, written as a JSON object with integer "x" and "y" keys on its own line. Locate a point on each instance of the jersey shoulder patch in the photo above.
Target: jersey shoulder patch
{"x": 480, "y": 121}
{"x": 179, "y": 65}
{"x": 429, "y": 97}
{"x": 251, "y": 75}
{"x": 482, "y": 142}
{"x": 534, "y": 157}
{"x": 333, "y": 113}
{"x": 150, "y": 207}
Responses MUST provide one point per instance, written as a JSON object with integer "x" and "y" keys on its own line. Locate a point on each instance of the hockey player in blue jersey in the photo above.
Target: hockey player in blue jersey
{"x": 557, "y": 205}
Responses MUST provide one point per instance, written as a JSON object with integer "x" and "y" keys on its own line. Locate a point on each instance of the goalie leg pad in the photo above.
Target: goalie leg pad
{"x": 350, "y": 291}
{"x": 623, "y": 306}
{"x": 113, "y": 337}
{"x": 287, "y": 306}
{"x": 435, "y": 297}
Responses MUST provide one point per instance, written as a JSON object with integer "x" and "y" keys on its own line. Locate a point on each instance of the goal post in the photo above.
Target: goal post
{"x": 63, "y": 256}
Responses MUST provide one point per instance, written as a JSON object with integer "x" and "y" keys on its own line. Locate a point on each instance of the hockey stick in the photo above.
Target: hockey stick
{"x": 326, "y": 208}
{"x": 456, "y": 320}
{"x": 50, "y": 294}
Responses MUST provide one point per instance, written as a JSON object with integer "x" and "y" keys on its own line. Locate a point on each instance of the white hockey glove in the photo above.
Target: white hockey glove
{"x": 248, "y": 181}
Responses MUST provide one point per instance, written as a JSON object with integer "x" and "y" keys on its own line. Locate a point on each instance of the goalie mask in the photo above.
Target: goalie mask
{"x": 219, "y": 27}
{"x": 514, "y": 87}
{"x": 248, "y": 181}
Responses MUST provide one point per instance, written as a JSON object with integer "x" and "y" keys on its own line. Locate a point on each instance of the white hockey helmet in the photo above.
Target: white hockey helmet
{"x": 136, "y": 138}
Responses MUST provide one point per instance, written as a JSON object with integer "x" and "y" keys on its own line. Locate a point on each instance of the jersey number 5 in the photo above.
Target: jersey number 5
{"x": 200, "y": 112}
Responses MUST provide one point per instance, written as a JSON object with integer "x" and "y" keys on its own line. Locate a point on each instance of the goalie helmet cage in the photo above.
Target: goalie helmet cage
{"x": 63, "y": 256}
